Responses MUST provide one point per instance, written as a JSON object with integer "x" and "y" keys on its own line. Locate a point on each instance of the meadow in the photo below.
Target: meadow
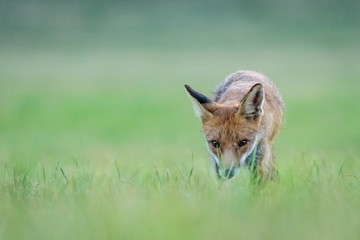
{"x": 98, "y": 139}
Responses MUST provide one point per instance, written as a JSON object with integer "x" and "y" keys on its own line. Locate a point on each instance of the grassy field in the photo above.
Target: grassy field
{"x": 99, "y": 141}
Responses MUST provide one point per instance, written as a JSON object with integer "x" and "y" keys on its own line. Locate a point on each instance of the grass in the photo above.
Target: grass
{"x": 114, "y": 201}
{"x": 98, "y": 139}
{"x": 119, "y": 154}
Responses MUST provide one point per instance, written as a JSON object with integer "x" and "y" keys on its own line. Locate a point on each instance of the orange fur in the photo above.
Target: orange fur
{"x": 246, "y": 107}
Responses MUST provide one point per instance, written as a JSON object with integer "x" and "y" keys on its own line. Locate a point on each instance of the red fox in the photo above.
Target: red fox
{"x": 240, "y": 124}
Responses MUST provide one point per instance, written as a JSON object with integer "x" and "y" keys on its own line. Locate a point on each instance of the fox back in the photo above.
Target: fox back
{"x": 240, "y": 123}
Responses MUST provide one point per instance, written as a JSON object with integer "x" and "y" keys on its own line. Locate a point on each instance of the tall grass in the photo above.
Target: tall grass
{"x": 102, "y": 159}
{"x": 98, "y": 139}
{"x": 183, "y": 201}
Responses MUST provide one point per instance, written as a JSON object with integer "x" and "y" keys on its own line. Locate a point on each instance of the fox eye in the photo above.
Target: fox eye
{"x": 215, "y": 144}
{"x": 242, "y": 143}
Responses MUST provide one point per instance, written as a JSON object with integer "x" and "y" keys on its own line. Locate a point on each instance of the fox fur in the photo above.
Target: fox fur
{"x": 241, "y": 123}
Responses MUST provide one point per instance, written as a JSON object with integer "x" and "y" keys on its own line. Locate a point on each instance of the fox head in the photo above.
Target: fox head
{"x": 231, "y": 131}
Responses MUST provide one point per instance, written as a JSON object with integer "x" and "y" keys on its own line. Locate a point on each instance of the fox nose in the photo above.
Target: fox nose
{"x": 229, "y": 173}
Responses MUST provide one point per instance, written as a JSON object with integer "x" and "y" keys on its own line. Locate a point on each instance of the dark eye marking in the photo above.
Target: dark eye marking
{"x": 215, "y": 144}
{"x": 242, "y": 143}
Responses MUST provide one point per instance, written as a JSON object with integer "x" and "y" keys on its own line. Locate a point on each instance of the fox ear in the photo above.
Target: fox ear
{"x": 203, "y": 105}
{"x": 251, "y": 105}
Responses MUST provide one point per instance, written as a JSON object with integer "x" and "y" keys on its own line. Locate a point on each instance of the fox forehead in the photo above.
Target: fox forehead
{"x": 226, "y": 126}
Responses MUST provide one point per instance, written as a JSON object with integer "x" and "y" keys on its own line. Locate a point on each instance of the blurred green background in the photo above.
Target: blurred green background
{"x": 98, "y": 138}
